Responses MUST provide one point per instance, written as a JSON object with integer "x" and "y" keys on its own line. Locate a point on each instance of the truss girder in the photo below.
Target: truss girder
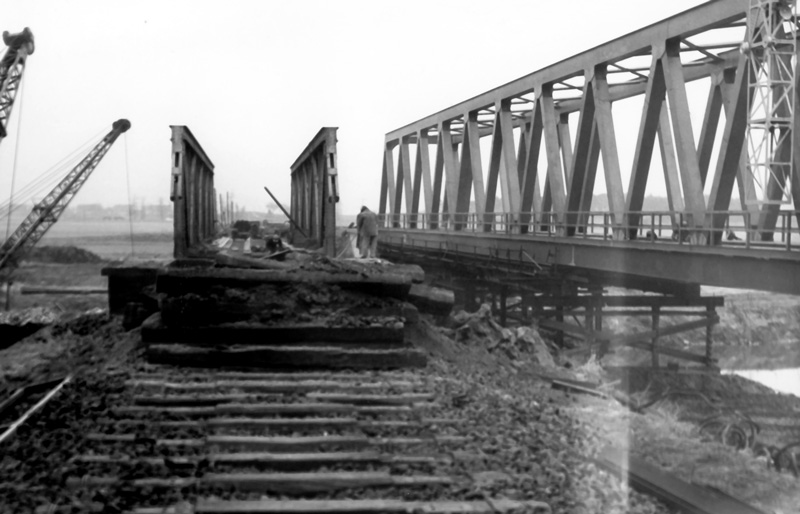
{"x": 315, "y": 190}
{"x": 540, "y": 173}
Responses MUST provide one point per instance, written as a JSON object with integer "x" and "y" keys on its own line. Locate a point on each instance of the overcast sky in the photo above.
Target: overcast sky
{"x": 255, "y": 80}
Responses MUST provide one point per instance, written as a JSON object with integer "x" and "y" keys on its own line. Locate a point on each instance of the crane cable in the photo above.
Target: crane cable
{"x": 45, "y": 181}
{"x": 16, "y": 154}
{"x": 128, "y": 181}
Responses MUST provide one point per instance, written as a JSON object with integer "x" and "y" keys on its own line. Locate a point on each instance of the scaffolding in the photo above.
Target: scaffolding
{"x": 772, "y": 45}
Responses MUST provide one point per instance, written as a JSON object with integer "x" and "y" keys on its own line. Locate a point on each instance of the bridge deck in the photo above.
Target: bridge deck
{"x": 768, "y": 266}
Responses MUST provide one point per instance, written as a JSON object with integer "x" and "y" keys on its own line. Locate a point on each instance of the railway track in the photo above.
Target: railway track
{"x": 321, "y": 442}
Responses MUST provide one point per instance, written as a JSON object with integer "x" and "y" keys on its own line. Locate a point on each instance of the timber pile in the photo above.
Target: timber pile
{"x": 322, "y": 314}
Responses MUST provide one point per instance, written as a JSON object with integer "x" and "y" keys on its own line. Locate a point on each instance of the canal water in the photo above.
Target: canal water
{"x": 781, "y": 380}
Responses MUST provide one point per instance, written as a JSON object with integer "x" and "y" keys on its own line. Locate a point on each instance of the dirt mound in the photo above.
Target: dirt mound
{"x": 62, "y": 255}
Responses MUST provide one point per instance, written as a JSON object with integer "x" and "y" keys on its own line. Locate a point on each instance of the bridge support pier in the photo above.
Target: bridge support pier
{"x": 651, "y": 312}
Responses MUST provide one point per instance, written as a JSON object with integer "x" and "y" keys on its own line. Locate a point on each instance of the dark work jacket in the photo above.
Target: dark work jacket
{"x": 367, "y": 223}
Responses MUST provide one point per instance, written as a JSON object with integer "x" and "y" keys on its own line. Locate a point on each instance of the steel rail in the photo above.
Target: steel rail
{"x": 30, "y": 412}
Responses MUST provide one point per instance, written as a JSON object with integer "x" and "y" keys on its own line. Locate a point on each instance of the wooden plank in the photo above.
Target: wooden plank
{"x": 280, "y": 483}
{"x": 212, "y": 310}
{"x": 361, "y": 376}
{"x": 369, "y": 507}
{"x": 308, "y": 443}
{"x": 495, "y": 506}
{"x": 134, "y": 439}
{"x": 154, "y": 330}
{"x": 393, "y": 281}
{"x": 200, "y": 400}
{"x": 282, "y": 461}
{"x": 279, "y": 443}
{"x": 432, "y": 300}
{"x": 672, "y": 352}
{"x": 374, "y": 399}
{"x": 285, "y": 357}
{"x": 669, "y": 488}
{"x": 567, "y": 386}
{"x": 284, "y": 386}
{"x": 292, "y": 423}
{"x": 62, "y": 290}
{"x": 274, "y": 409}
{"x": 184, "y": 400}
{"x": 640, "y": 340}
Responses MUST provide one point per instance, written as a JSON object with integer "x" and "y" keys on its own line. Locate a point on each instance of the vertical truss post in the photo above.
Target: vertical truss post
{"x": 387, "y": 205}
{"x": 555, "y": 171}
{"x": 471, "y": 174}
{"x": 422, "y": 176}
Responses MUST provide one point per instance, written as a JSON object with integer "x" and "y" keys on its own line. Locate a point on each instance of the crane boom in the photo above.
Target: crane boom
{"x": 20, "y": 46}
{"x": 47, "y": 212}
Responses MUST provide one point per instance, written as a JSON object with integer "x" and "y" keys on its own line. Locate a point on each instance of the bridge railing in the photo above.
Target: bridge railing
{"x": 740, "y": 229}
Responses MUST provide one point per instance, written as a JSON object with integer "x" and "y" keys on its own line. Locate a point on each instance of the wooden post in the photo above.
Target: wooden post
{"x": 598, "y": 318}
{"x": 469, "y": 290}
{"x": 710, "y": 313}
{"x": 503, "y": 306}
{"x": 654, "y": 341}
{"x": 598, "y": 310}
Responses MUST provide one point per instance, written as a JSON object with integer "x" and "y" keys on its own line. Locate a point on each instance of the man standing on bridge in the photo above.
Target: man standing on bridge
{"x": 367, "y": 224}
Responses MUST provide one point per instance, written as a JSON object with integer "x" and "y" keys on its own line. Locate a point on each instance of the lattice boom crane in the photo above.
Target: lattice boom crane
{"x": 20, "y": 46}
{"x": 47, "y": 212}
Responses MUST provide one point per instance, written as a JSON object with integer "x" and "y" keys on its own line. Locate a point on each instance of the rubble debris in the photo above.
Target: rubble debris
{"x": 481, "y": 328}
{"x": 34, "y": 315}
{"x": 18, "y": 324}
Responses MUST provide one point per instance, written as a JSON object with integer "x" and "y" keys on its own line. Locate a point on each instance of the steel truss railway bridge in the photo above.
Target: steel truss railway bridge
{"x": 496, "y": 192}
